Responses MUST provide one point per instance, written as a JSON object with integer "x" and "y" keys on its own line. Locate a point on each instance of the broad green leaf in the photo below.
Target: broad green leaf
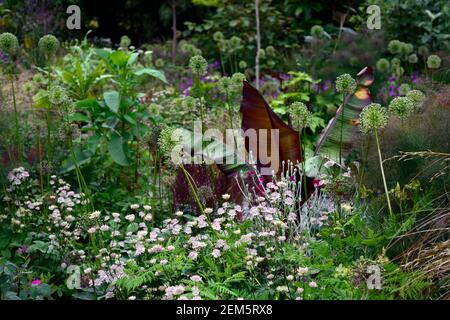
{"x": 112, "y": 100}
{"x": 151, "y": 72}
{"x": 116, "y": 150}
{"x": 87, "y": 103}
{"x": 119, "y": 58}
{"x": 79, "y": 117}
{"x": 133, "y": 58}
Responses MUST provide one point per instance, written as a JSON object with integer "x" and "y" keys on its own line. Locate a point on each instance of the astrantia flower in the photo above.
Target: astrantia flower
{"x": 373, "y": 117}
{"x": 417, "y": 97}
{"x": 198, "y": 65}
{"x": 412, "y": 58}
{"x": 317, "y": 31}
{"x": 301, "y": 116}
{"x": 8, "y": 42}
{"x": 48, "y": 44}
{"x": 383, "y": 65}
{"x": 345, "y": 84}
{"x": 404, "y": 89}
{"x": 395, "y": 46}
{"x": 57, "y": 95}
{"x": 402, "y": 107}
{"x": 433, "y": 62}
{"x": 196, "y": 278}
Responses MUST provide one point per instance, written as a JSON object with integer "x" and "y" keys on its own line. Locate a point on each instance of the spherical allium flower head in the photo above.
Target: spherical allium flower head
{"x": 345, "y": 84}
{"x": 395, "y": 46}
{"x": 262, "y": 53}
{"x": 238, "y": 79}
{"x": 57, "y": 95}
{"x": 270, "y": 50}
{"x": 317, "y": 31}
{"x": 125, "y": 42}
{"x": 406, "y": 48}
{"x": 402, "y": 107}
{"x": 417, "y": 97}
{"x": 189, "y": 103}
{"x": 399, "y": 71}
{"x": 404, "y": 89}
{"x": 48, "y": 44}
{"x": 383, "y": 65}
{"x": 159, "y": 63}
{"x": 395, "y": 62}
{"x": 38, "y": 78}
{"x": 234, "y": 43}
{"x": 423, "y": 51}
{"x": 412, "y": 58}
{"x": 242, "y": 64}
{"x": 218, "y": 36}
{"x": 433, "y": 62}
{"x": 373, "y": 117}
{"x": 198, "y": 65}
{"x": 301, "y": 116}
{"x": 28, "y": 87}
{"x": 8, "y": 42}
{"x": 169, "y": 138}
{"x": 226, "y": 85}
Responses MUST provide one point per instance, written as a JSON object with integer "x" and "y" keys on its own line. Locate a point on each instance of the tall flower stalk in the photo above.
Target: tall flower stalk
{"x": 374, "y": 118}
{"x": 9, "y": 44}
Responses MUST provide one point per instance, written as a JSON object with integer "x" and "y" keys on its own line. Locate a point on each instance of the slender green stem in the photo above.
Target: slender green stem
{"x": 16, "y": 119}
{"x": 193, "y": 189}
{"x": 305, "y": 191}
{"x": 382, "y": 173}
{"x": 342, "y": 130}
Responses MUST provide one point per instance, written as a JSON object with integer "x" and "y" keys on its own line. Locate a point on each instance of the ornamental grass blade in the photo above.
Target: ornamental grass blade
{"x": 257, "y": 115}
{"x": 328, "y": 144}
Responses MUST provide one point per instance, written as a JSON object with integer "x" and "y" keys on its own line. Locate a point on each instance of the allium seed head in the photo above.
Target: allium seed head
{"x": 412, "y": 58}
{"x": 8, "y": 42}
{"x": 417, "y": 97}
{"x": 404, "y": 89}
{"x": 317, "y": 31}
{"x": 345, "y": 84}
{"x": 383, "y": 65}
{"x": 48, "y": 44}
{"x": 401, "y": 107}
{"x": 301, "y": 116}
{"x": 433, "y": 62}
{"x": 373, "y": 117}
{"x": 395, "y": 46}
{"x": 198, "y": 65}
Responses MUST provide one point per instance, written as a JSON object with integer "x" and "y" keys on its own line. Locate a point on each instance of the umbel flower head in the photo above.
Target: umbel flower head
{"x": 301, "y": 116}
{"x": 242, "y": 64}
{"x": 423, "y": 51}
{"x": 373, "y": 117}
{"x": 402, "y": 107}
{"x": 317, "y": 31}
{"x": 395, "y": 46}
{"x": 412, "y": 58}
{"x": 345, "y": 84}
{"x": 433, "y": 62}
{"x": 198, "y": 65}
{"x": 226, "y": 85}
{"x": 234, "y": 43}
{"x": 404, "y": 89}
{"x": 48, "y": 44}
{"x": 57, "y": 95}
{"x": 8, "y": 42}
{"x": 270, "y": 50}
{"x": 383, "y": 65}
{"x": 417, "y": 97}
{"x": 395, "y": 62}
{"x": 238, "y": 79}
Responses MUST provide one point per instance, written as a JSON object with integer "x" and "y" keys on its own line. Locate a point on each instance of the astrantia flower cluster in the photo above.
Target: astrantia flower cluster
{"x": 8, "y": 42}
{"x": 373, "y": 117}
{"x": 346, "y": 84}
{"x": 198, "y": 65}
{"x": 48, "y": 44}
{"x": 401, "y": 107}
